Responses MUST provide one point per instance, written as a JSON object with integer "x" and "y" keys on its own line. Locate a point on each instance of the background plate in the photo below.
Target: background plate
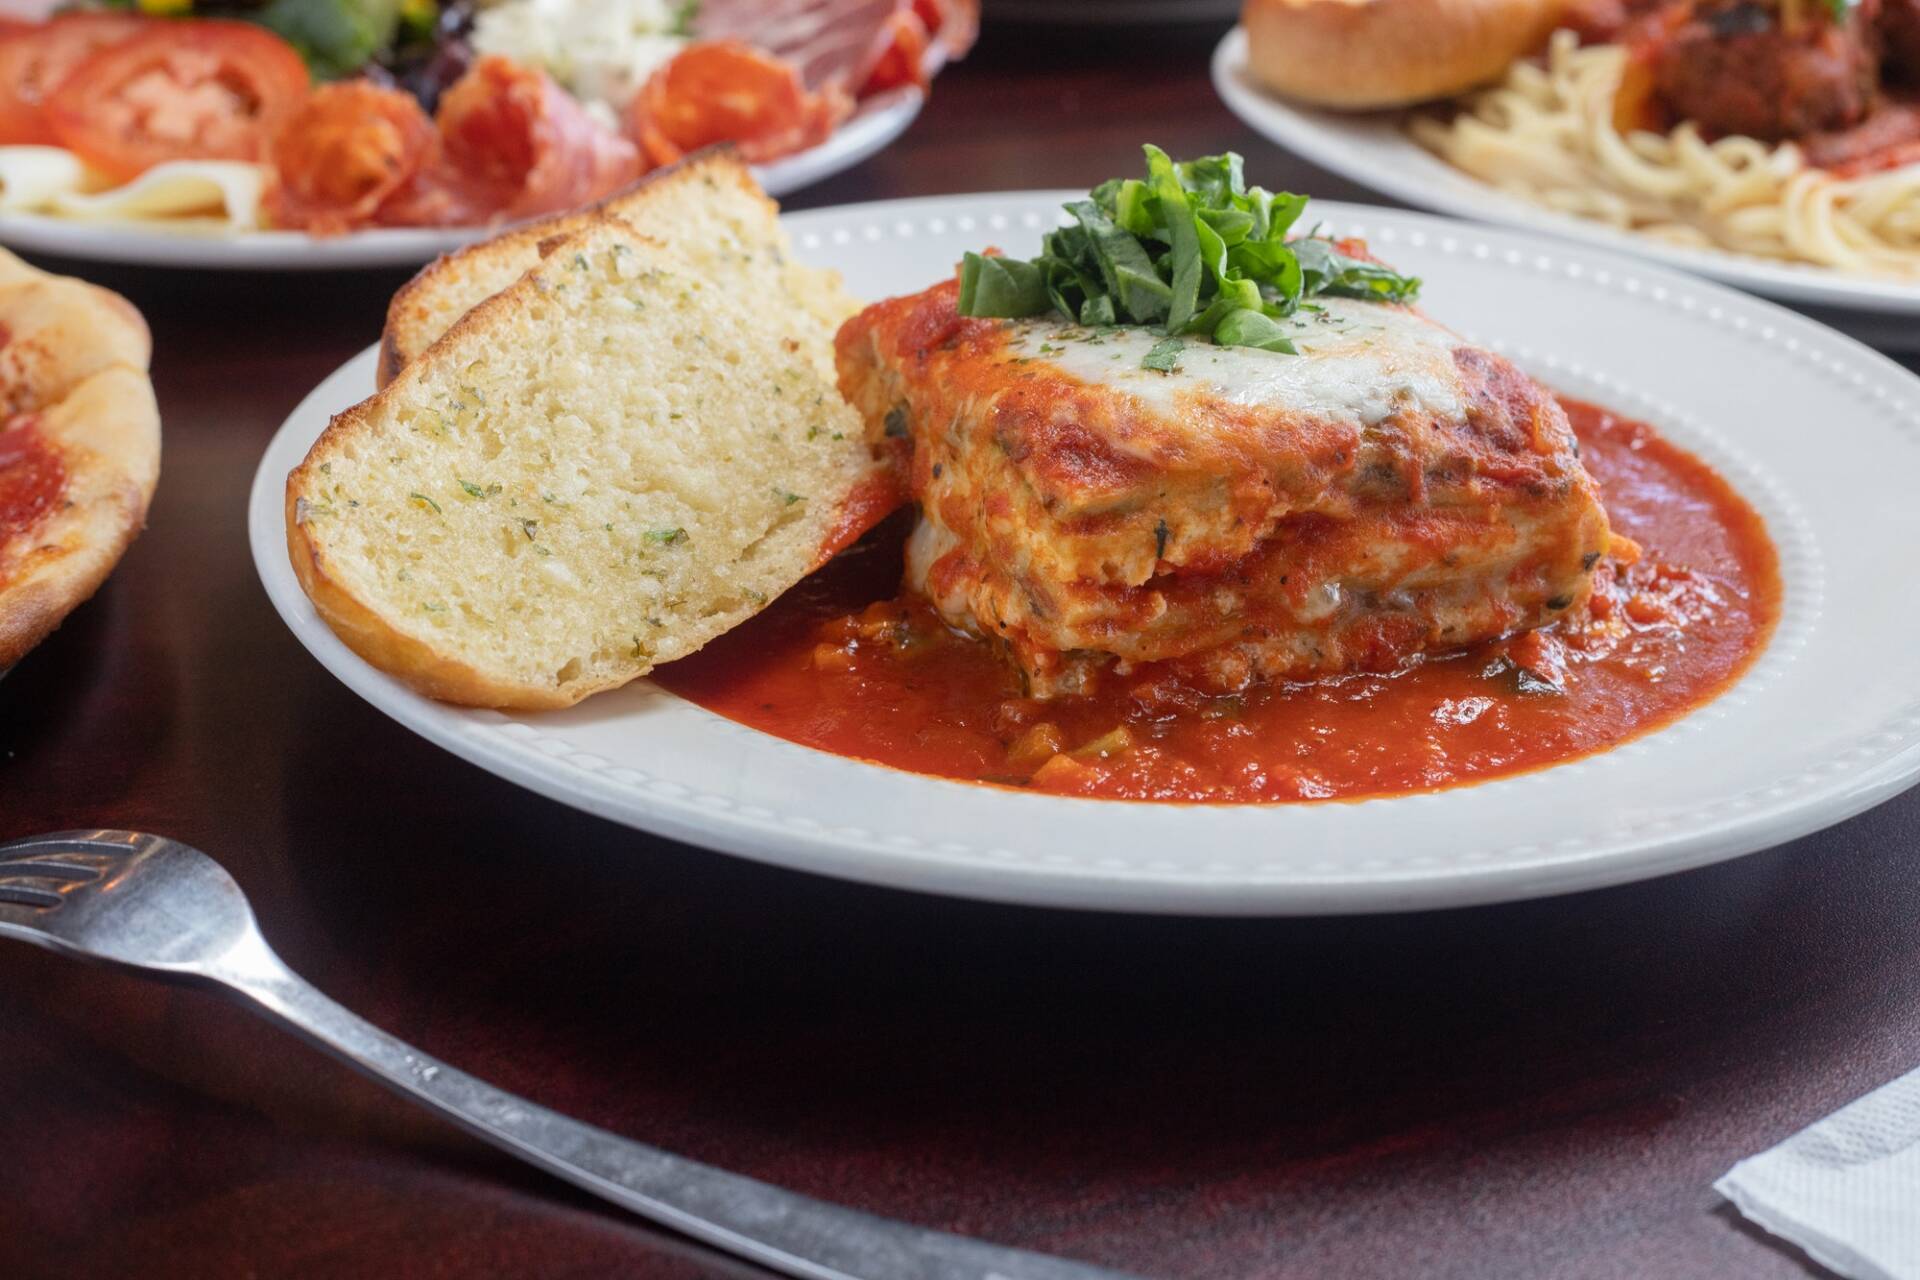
{"x": 1818, "y": 432}
{"x": 1373, "y": 149}
{"x": 863, "y": 136}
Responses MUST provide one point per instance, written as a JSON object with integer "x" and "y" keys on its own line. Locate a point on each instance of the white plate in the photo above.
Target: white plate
{"x": 151, "y": 245}
{"x": 1820, "y": 434}
{"x": 1373, "y": 150}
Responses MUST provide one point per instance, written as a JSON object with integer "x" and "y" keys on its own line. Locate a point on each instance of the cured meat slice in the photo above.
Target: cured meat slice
{"x": 520, "y": 145}
{"x": 836, "y": 45}
{"x": 349, "y": 149}
{"x": 727, "y": 91}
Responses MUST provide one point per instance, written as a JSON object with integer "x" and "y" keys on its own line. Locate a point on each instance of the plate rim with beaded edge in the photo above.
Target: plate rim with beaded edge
{"x": 1825, "y": 724}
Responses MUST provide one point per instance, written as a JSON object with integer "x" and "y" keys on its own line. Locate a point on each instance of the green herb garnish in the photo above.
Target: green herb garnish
{"x": 666, "y": 537}
{"x": 1165, "y": 356}
{"x": 1191, "y": 250}
{"x": 421, "y": 497}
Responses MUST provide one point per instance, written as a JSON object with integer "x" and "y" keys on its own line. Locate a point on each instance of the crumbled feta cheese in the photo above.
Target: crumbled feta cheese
{"x": 601, "y": 51}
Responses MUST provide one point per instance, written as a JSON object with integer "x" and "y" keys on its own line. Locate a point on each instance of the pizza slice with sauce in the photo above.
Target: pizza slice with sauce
{"x": 79, "y": 445}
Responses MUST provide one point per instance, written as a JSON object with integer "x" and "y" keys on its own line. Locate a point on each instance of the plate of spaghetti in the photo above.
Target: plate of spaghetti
{"x": 328, "y": 133}
{"x": 1774, "y": 146}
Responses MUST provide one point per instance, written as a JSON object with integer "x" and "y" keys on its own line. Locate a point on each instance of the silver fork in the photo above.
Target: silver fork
{"x": 156, "y": 906}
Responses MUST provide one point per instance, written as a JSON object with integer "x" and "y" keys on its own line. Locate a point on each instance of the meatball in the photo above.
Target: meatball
{"x": 1900, "y": 33}
{"x": 1734, "y": 70}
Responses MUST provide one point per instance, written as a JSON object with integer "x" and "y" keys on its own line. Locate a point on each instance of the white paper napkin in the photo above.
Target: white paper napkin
{"x": 1847, "y": 1188}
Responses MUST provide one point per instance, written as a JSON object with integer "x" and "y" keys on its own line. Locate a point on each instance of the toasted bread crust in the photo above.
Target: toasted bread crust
{"x": 1366, "y": 54}
{"x": 76, "y": 359}
{"x": 414, "y": 320}
{"x": 406, "y": 658}
{"x": 421, "y": 654}
{"x": 108, "y": 491}
{"x": 365, "y": 630}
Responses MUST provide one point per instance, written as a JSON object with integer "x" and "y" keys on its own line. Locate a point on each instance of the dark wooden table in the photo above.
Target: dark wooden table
{"x": 1546, "y": 1089}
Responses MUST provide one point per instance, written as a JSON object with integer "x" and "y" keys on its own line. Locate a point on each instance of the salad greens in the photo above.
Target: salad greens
{"x": 336, "y": 37}
{"x": 1190, "y": 250}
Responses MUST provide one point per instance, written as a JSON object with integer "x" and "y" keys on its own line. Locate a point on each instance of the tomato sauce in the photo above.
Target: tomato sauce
{"x": 846, "y": 664}
{"x": 32, "y": 481}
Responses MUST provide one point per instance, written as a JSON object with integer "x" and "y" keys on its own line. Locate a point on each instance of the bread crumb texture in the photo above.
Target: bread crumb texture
{"x": 600, "y": 469}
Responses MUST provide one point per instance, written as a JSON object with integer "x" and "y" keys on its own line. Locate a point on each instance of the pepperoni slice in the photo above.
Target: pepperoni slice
{"x": 349, "y": 148}
{"x": 32, "y": 480}
{"x": 518, "y": 143}
{"x": 34, "y": 59}
{"x": 201, "y": 90}
{"x": 728, "y": 91}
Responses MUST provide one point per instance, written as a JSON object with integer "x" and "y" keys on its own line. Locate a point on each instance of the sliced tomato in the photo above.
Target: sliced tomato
{"x": 197, "y": 90}
{"x": 728, "y": 91}
{"x": 36, "y": 58}
{"x": 343, "y": 153}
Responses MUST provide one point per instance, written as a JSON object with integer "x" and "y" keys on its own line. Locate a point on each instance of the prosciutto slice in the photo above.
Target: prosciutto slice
{"x": 518, "y": 144}
{"x": 836, "y": 45}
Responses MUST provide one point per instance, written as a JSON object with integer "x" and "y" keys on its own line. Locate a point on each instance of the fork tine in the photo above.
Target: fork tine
{"x": 24, "y": 895}
{"x": 100, "y": 841}
{"x": 56, "y": 878}
{"x": 84, "y": 853}
{"x": 49, "y": 870}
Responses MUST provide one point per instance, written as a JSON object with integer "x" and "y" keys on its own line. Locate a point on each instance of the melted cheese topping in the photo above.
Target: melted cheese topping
{"x": 1358, "y": 360}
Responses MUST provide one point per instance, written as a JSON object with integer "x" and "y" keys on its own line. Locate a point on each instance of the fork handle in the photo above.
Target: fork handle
{"x": 787, "y": 1232}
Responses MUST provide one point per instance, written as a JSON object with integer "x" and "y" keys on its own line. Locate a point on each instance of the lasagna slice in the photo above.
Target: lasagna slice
{"x": 1093, "y": 498}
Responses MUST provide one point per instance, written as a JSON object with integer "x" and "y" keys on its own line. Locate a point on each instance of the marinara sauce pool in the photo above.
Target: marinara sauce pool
{"x": 846, "y": 664}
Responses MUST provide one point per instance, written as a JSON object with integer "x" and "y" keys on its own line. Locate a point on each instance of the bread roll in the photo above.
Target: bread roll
{"x": 1357, "y": 54}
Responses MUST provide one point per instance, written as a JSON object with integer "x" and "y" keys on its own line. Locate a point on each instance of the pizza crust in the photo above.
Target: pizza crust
{"x": 75, "y": 356}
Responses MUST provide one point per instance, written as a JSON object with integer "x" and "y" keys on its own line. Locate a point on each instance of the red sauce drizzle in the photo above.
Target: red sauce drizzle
{"x": 32, "y": 480}
{"x": 841, "y": 664}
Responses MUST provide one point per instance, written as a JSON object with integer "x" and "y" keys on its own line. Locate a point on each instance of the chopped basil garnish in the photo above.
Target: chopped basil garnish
{"x": 1189, "y": 250}
{"x": 1165, "y": 356}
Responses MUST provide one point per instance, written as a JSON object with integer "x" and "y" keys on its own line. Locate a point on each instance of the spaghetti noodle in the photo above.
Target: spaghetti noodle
{"x": 1547, "y": 134}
